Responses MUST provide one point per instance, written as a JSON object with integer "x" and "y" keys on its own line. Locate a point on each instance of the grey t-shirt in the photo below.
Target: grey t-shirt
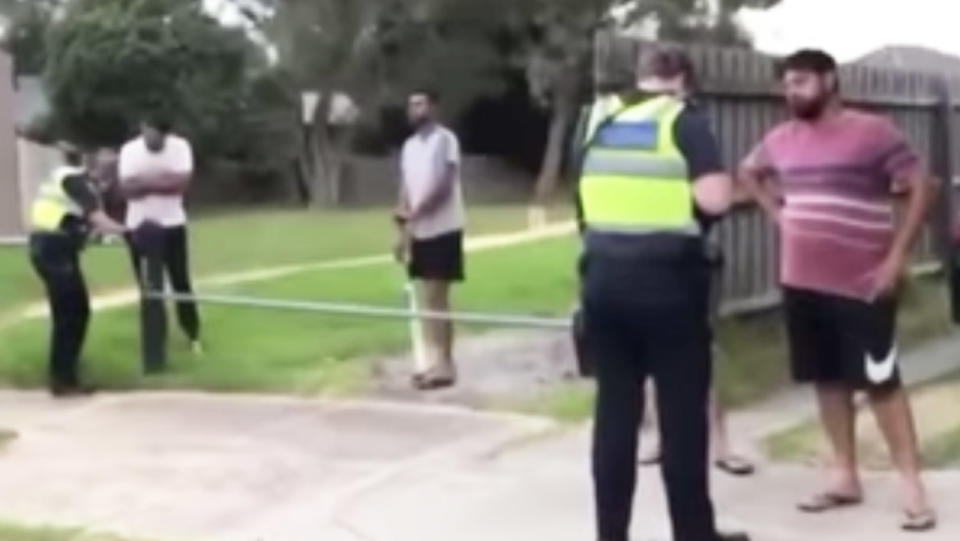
{"x": 427, "y": 156}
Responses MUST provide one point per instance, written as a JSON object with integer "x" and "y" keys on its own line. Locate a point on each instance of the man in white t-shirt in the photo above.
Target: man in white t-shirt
{"x": 431, "y": 218}
{"x": 156, "y": 169}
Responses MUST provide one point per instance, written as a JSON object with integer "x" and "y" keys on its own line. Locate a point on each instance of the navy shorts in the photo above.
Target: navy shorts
{"x": 437, "y": 259}
{"x": 836, "y": 339}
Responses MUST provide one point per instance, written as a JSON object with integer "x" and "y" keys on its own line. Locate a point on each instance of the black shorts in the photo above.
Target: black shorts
{"x": 836, "y": 339}
{"x": 438, "y": 258}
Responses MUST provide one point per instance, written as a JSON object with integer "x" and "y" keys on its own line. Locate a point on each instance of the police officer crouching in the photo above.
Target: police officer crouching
{"x": 651, "y": 183}
{"x": 66, "y": 210}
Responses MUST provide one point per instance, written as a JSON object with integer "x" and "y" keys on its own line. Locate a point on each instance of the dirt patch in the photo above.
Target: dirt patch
{"x": 496, "y": 368}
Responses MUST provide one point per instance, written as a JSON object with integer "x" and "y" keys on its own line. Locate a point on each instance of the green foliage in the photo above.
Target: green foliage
{"x": 109, "y": 61}
{"x": 25, "y": 39}
{"x": 376, "y": 50}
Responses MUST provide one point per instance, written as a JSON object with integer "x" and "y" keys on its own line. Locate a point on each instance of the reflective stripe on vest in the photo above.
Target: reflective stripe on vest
{"x": 635, "y": 180}
{"x": 52, "y": 203}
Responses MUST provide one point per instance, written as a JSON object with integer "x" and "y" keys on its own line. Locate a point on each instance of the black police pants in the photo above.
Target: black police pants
{"x": 56, "y": 260}
{"x": 650, "y": 324}
{"x": 157, "y": 252}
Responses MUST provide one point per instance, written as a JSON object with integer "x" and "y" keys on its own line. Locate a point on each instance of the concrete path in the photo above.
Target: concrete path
{"x": 186, "y": 466}
{"x": 243, "y": 468}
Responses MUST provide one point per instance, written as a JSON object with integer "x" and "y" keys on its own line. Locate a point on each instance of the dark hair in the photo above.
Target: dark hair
{"x": 432, "y": 95}
{"x": 668, "y": 63}
{"x": 158, "y": 120}
{"x": 811, "y": 60}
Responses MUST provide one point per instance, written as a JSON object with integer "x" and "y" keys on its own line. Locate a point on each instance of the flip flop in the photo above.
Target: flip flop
{"x": 828, "y": 501}
{"x": 735, "y": 466}
{"x": 924, "y": 521}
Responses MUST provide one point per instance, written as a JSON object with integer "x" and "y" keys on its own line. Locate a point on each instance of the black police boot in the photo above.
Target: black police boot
{"x": 64, "y": 391}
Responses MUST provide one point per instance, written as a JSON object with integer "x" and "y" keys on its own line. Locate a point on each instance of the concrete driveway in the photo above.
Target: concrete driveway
{"x": 182, "y": 466}
{"x": 188, "y": 466}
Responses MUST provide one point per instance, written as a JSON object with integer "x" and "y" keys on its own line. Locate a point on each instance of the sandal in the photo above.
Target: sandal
{"x": 735, "y": 466}
{"x": 923, "y": 521}
{"x": 828, "y": 501}
{"x": 433, "y": 381}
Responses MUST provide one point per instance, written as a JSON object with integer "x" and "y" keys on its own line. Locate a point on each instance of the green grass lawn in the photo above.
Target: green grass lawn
{"x": 12, "y": 532}
{"x": 6, "y": 436}
{"x": 296, "y": 352}
{"x": 256, "y": 349}
{"x": 239, "y": 241}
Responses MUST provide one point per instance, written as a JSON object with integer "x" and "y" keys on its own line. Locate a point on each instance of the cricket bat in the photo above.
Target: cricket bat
{"x": 420, "y": 364}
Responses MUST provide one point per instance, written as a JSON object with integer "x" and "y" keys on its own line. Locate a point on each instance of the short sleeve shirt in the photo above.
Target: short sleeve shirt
{"x": 426, "y": 158}
{"x": 837, "y": 178}
{"x": 77, "y": 187}
{"x": 137, "y": 160}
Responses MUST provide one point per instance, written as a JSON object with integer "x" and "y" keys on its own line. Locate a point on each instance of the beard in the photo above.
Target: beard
{"x": 156, "y": 146}
{"x": 417, "y": 122}
{"x": 808, "y": 109}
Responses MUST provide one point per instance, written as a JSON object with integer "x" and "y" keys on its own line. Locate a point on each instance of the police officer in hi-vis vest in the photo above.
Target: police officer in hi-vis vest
{"x": 64, "y": 213}
{"x": 651, "y": 183}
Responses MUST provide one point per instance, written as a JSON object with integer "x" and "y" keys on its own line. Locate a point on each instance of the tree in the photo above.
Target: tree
{"x": 109, "y": 61}
{"x": 25, "y": 32}
{"x": 373, "y": 52}
{"x": 558, "y": 39}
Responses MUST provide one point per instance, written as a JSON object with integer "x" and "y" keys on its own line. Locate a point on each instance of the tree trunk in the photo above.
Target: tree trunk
{"x": 322, "y": 192}
{"x": 333, "y": 144}
{"x": 564, "y": 111}
{"x": 303, "y": 167}
{"x": 324, "y": 155}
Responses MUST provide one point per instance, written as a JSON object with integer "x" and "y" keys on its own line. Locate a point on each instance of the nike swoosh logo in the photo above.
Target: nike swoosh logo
{"x": 882, "y": 371}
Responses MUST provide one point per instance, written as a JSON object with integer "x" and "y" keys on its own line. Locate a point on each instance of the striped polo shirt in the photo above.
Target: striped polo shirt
{"x": 837, "y": 178}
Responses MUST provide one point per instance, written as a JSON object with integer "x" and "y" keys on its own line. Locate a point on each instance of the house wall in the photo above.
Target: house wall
{"x": 11, "y": 201}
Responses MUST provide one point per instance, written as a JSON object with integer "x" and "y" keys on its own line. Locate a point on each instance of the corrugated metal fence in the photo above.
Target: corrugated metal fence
{"x": 738, "y": 89}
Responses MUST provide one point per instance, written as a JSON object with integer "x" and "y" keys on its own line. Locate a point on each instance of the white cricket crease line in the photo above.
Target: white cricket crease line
{"x": 878, "y": 208}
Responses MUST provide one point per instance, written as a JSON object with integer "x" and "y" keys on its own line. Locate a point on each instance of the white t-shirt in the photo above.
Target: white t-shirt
{"x": 426, "y": 156}
{"x": 136, "y": 160}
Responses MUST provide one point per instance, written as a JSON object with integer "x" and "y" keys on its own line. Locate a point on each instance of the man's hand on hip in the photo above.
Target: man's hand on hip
{"x": 889, "y": 275}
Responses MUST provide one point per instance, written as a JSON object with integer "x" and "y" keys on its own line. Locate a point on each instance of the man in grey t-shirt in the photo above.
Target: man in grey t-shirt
{"x": 431, "y": 218}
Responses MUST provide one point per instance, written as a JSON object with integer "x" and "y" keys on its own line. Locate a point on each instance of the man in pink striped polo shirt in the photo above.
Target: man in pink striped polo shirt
{"x": 843, "y": 254}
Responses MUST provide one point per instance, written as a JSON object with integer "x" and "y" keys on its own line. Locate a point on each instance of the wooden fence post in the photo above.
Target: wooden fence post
{"x": 943, "y": 167}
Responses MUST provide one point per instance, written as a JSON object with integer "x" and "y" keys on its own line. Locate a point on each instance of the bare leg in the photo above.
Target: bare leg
{"x": 650, "y": 444}
{"x": 718, "y": 428}
{"x": 838, "y": 417}
{"x": 895, "y": 417}
{"x": 722, "y": 452}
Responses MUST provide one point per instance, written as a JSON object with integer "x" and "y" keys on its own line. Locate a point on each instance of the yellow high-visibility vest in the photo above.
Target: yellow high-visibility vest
{"x": 635, "y": 180}
{"x": 52, "y": 203}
